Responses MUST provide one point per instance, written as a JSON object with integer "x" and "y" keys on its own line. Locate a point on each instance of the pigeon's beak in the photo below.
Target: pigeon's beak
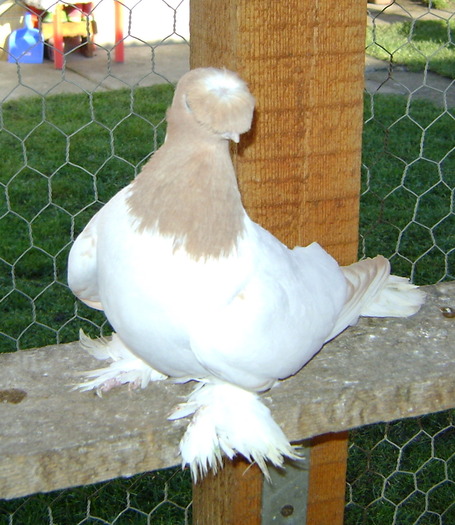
{"x": 235, "y": 137}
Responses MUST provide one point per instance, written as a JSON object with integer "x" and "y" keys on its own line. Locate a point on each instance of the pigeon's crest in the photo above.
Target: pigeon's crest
{"x": 219, "y": 100}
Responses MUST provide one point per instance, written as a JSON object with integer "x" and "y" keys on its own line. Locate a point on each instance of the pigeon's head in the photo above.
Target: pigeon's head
{"x": 216, "y": 100}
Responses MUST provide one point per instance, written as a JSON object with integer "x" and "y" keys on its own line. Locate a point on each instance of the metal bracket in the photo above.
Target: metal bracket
{"x": 284, "y": 498}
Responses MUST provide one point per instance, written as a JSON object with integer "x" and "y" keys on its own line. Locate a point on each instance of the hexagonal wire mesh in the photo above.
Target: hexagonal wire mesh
{"x": 69, "y": 140}
{"x": 68, "y": 144}
{"x": 403, "y": 472}
{"x": 162, "y": 497}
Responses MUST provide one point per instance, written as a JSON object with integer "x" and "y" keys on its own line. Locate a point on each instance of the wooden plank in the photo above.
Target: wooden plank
{"x": 52, "y": 437}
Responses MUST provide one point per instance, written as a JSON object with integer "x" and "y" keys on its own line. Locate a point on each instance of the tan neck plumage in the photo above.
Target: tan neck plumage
{"x": 191, "y": 195}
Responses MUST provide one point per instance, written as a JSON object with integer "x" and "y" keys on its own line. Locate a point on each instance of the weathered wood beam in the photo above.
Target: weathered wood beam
{"x": 52, "y": 437}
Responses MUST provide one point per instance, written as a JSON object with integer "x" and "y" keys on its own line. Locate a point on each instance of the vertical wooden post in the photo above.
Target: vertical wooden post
{"x": 232, "y": 497}
{"x": 327, "y": 483}
{"x": 299, "y": 167}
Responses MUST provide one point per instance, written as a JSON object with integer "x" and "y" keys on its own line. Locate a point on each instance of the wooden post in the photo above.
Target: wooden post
{"x": 232, "y": 497}
{"x": 327, "y": 484}
{"x": 299, "y": 167}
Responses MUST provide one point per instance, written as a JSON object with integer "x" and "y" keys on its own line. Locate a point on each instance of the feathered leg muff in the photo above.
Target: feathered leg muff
{"x": 228, "y": 420}
{"x": 125, "y": 367}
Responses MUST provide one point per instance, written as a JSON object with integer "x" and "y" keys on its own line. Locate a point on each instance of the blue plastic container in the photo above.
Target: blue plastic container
{"x": 26, "y": 44}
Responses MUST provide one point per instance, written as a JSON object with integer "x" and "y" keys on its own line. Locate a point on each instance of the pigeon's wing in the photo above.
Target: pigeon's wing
{"x": 373, "y": 292}
{"x": 82, "y": 266}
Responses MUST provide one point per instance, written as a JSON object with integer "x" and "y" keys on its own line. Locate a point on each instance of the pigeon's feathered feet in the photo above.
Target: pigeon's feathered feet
{"x": 124, "y": 368}
{"x": 228, "y": 419}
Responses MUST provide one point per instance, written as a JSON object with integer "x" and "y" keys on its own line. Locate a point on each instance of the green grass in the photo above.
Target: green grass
{"x": 62, "y": 158}
{"x": 407, "y": 183}
{"x": 65, "y": 156}
{"x": 438, "y": 4}
{"x": 397, "y": 471}
{"x": 416, "y": 44}
{"x": 164, "y": 495}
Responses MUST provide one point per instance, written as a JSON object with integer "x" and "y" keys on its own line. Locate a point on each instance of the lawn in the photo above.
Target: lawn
{"x": 416, "y": 44}
{"x": 407, "y": 183}
{"x": 164, "y": 495}
{"x": 57, "y": 172}
{"x": 402, "y": 472}
{"x": 64, "y": 156}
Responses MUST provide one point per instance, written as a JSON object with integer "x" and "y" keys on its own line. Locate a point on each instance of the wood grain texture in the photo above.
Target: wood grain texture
{"x": 53, "y": 437}
{"x": 231, "y": 497}
{"x": 299, "y": 167}
{"x": 327, "y": 483}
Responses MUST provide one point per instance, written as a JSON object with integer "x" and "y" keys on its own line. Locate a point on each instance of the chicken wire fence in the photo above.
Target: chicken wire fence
{"x": 73, "y": 139}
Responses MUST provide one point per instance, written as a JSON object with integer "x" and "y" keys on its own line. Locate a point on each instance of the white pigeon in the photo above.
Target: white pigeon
{"x": 197, "y": 291}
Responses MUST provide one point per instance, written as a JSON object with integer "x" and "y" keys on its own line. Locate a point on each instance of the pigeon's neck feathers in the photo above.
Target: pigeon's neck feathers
{"x": 188, "y": 191}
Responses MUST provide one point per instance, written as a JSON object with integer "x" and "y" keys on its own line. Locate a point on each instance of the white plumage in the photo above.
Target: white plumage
{"x": 197, "y": 291}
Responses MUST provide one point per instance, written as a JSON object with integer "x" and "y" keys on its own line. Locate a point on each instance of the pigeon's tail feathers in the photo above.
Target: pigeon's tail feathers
{"x": 229, "y": 420}
{"x": 376, "y": 293}
{"x": 373, "y": 292}
{"x": 398, "y": 298}
{"x": 125, "y": 367}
